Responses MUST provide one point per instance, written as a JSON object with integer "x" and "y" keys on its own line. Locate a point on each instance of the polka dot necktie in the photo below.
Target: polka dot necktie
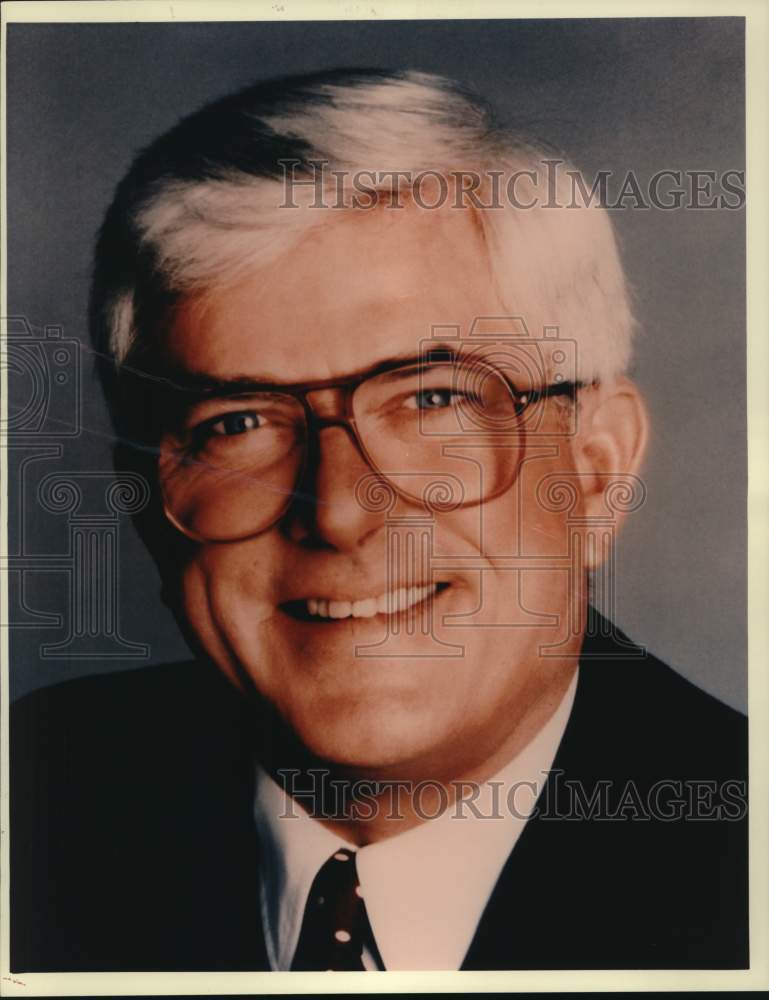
{"x": 335, "y": 926}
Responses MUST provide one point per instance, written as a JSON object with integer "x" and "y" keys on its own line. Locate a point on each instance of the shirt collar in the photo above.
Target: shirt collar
{"x": 425, "y": 890}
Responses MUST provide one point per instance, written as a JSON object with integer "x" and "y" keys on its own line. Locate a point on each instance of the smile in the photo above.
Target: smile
{"x": 389, "y": 603}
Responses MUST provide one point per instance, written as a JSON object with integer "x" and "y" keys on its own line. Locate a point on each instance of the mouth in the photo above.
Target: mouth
{"x": 391, "y": 602}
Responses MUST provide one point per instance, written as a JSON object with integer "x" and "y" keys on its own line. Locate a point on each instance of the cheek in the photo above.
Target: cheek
{"x": 550, "y": 502}
{"x": 553, "y": 536}
{"x": 515, "y": 556}
{"x": 225, "y": 597}
{"x": 535, "y": 517}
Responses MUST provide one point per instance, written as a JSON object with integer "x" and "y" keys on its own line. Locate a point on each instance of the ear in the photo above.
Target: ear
{"x": 612, "y": 431}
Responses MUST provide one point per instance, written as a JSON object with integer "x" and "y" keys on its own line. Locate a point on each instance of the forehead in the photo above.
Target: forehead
{"x": 364, "y": 287}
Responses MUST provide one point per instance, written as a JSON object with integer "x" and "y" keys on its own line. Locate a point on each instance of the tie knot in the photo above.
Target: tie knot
{"x": 335, "y": 926}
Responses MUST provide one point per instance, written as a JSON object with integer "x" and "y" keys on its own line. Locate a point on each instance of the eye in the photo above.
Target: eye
{"x": 237, "y": 422}
{"x": 434, "y": 399}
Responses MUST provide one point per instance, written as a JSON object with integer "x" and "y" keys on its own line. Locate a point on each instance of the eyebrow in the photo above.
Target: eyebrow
{"x": 206, "y": 386}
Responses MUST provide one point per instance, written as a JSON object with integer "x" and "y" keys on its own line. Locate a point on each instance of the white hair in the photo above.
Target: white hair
{"x": 554, "y": 264}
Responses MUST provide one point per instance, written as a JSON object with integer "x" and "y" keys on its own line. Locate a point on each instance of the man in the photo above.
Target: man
{"x": 369, "y": 351}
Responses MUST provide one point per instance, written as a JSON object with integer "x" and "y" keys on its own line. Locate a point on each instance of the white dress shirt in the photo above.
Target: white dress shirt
{"x": 426, "y": 889}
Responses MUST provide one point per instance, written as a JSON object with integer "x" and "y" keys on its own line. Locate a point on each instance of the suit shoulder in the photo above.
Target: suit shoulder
{"x": 115, "y": 691}
{"x": 636, "y": 701}
{"x": 89, "y": 724}
{"x": 110, "y": 684}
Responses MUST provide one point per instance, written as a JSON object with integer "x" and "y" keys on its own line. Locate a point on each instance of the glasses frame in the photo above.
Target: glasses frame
{"x": 343, "y": 416}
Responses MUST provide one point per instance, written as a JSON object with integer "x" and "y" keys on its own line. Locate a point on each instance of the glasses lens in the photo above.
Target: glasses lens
{"x": 230, "y": 469}
{"x": 449, "y": 431}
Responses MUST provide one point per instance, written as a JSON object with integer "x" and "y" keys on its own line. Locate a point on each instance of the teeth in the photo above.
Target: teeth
{"x": 363, "y": 609}
{"x": 387, "y": 604}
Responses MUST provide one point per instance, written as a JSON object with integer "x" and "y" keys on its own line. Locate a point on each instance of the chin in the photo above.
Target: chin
{"x": 371, "y": 737}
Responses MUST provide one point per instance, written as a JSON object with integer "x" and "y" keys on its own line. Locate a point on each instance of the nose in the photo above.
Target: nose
{"x": 332, "y": 510}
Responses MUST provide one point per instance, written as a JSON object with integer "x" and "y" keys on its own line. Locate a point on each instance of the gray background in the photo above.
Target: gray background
{"x": 616, "y": 94}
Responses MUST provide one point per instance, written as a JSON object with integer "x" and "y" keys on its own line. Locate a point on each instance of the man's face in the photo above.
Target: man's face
{"x": 374, "y": 694}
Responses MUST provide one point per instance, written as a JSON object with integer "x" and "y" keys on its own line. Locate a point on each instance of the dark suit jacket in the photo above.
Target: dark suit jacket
{"x": 133, "y": 845}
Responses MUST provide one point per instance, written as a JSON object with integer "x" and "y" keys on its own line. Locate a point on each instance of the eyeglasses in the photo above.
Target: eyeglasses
{"x": 443, "y": 433}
